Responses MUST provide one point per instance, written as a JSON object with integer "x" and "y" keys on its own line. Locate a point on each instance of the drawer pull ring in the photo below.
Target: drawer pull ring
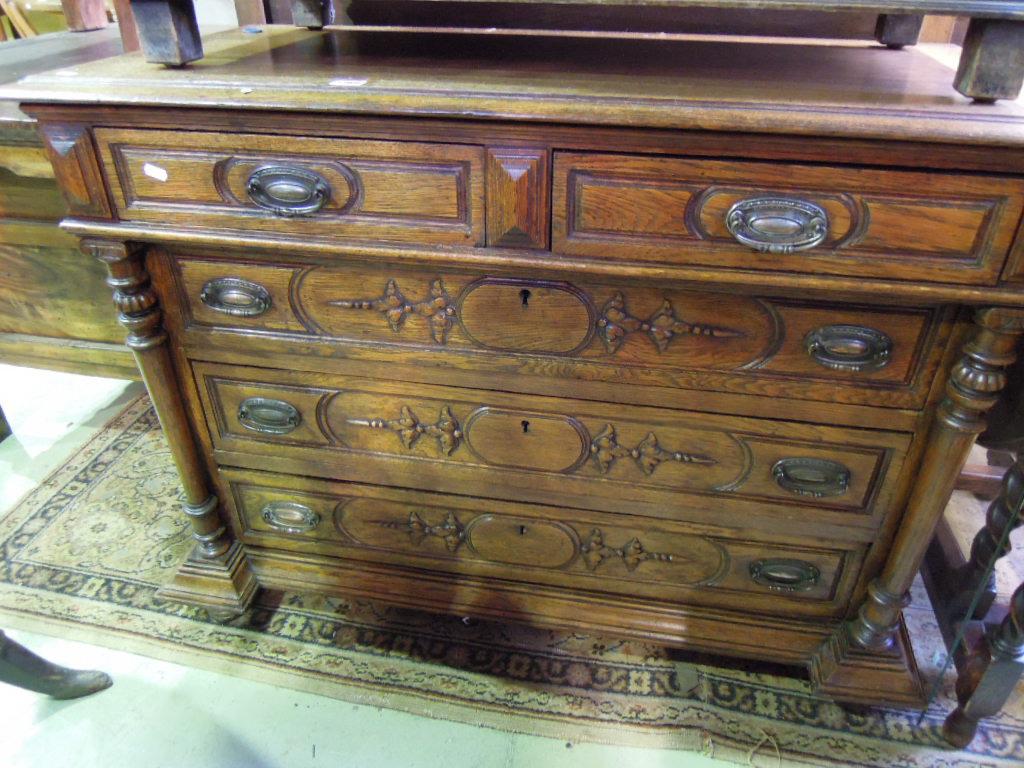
{"x": 234, "y": 296}
{"x": 288, "y": 191}
{"x": 811, "y": 477}
{"x": 777, "y": 224}
{"x": 290, "y": 517}
{"x": 848, "y": 347}
{"x": 271, "y": 417}
{"x": 784, "y": 575}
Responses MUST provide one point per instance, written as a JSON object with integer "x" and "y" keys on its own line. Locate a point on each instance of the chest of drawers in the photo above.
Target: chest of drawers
{"x": 660, "y": 350}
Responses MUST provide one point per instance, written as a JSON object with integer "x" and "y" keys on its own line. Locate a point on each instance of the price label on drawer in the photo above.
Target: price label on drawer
{"x": 154, "y": 171}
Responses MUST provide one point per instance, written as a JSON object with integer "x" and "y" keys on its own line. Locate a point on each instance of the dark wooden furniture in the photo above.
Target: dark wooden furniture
{"x": 991, "y": 66}
{"x": 24, "y": 669}
{"x": 990, "y": 659}
{"x": 684, "y": 342}
{"x": 50, "y": 311}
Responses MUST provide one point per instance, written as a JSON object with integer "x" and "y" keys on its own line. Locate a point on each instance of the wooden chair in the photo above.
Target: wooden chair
{"x": 22, "y": 668}
{"x": 990, "y": 661}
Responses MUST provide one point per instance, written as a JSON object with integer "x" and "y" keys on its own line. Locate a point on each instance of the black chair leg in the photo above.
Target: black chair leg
{"x": 22, "y": 668}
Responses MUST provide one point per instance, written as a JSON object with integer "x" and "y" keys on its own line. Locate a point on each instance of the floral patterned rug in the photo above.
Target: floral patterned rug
{"x": 82, "y": 556}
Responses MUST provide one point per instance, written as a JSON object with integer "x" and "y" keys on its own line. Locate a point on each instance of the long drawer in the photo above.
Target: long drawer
{"x": 671, "y": 464}
{"x": 573, "y": 329}
{"x": 839, "y": 220}
{"x": 562, "y": 547}
{"x": 380, "y": 190}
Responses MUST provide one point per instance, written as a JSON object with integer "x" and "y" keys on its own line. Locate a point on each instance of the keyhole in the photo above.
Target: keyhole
{"x": 525, "y": 296}
{"x": 522, "y": 530}
{"x": 526, "y": 426}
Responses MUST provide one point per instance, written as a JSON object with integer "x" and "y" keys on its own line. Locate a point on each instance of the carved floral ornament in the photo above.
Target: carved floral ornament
{"x": 593, "y": 550}
{"x": 614, "y": 324}
{"x": 604, "y": 449}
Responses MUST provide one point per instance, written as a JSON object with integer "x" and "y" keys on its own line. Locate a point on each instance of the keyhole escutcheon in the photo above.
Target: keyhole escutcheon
{"x": 525, "y": 296}
{"x": 526, "y": 426}
{"x": 522, "y": 530}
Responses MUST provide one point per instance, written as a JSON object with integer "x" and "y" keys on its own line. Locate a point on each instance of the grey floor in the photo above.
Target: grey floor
{"x": 163, "y": 715}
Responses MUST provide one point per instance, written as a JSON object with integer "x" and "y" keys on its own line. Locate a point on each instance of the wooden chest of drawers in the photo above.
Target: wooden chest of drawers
{"x": 573, "y": 350}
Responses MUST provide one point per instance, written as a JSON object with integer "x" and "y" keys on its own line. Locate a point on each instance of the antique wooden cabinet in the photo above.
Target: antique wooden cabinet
{"x": 684, "y": 341}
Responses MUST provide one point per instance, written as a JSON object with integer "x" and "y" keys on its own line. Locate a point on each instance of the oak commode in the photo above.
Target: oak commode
{"x": 681, "y": 341}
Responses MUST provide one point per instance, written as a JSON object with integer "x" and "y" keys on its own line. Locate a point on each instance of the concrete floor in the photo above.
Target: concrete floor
{"x": 162, "y": 715}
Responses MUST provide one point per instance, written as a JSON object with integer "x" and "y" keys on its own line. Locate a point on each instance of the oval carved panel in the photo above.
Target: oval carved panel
{"x": 523, "y": 440}
{"x": 583, "y": 549}
{"x": 527, "y": 316}
{"x": 519, "y": 541}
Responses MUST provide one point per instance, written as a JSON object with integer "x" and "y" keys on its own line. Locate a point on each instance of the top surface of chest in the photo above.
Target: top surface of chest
{"x": 852, "y": 90}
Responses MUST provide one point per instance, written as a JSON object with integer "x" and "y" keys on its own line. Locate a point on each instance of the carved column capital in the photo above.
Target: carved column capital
{"x": 979, "y": 376}
{"x": 139, "y": 310}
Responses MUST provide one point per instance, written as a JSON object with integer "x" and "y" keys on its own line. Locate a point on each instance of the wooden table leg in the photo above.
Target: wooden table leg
{"x": 986, "y": 547}
{"x": 897, "y": 30}
{"x": 5, "y": 428}
{"x": 309, "y": 13}
{"x": 20, "y": 667}
{"x": 989, "y": 676}
{"x": 992, "y": 61}
{"x": 168, "y": 31}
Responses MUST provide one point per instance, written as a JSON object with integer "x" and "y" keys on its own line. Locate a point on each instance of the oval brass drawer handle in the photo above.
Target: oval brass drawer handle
{"x": 290, "y": 517}
{"x": 811, "y": 477}
{"x": 271, "y": 417}
{"x": 777, "y": 224}
{"x": 288, "y": 191}
{"x": 848, "y": 347}
{"x": 785, "y": 574}
{"x": 235, "y": 296}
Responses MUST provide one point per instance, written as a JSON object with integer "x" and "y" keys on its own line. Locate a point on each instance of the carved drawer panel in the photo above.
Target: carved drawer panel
{"x": 381, "y": 190}
{"x": 671, "y": 464}
{"x": 557, "y": 546}
{"x": 579, "y": 329}
{"x": 794, "y": 218}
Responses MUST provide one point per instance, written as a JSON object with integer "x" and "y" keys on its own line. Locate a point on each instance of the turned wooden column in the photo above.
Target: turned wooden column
{"x": 972, "y": 389}
{"x": 216, "y": 575}
{"x": 140, "y": 314}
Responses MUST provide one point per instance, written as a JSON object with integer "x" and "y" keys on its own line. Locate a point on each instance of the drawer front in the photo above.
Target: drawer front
{"x": 577, "y": 329}
{"x": 381, "y": 190}
{"x": 547, "y": 449}
{"x": 793, "y": 218}
{"x": 562, "y": 547}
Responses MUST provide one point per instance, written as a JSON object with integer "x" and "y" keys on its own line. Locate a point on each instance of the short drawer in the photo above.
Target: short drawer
{"x": 673, "y": 464}
{"x": 854, "y": 222}
{"x": 556, "y": 546}
{"x": 380, "y": 190}
{"x": 574, "y": 329}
